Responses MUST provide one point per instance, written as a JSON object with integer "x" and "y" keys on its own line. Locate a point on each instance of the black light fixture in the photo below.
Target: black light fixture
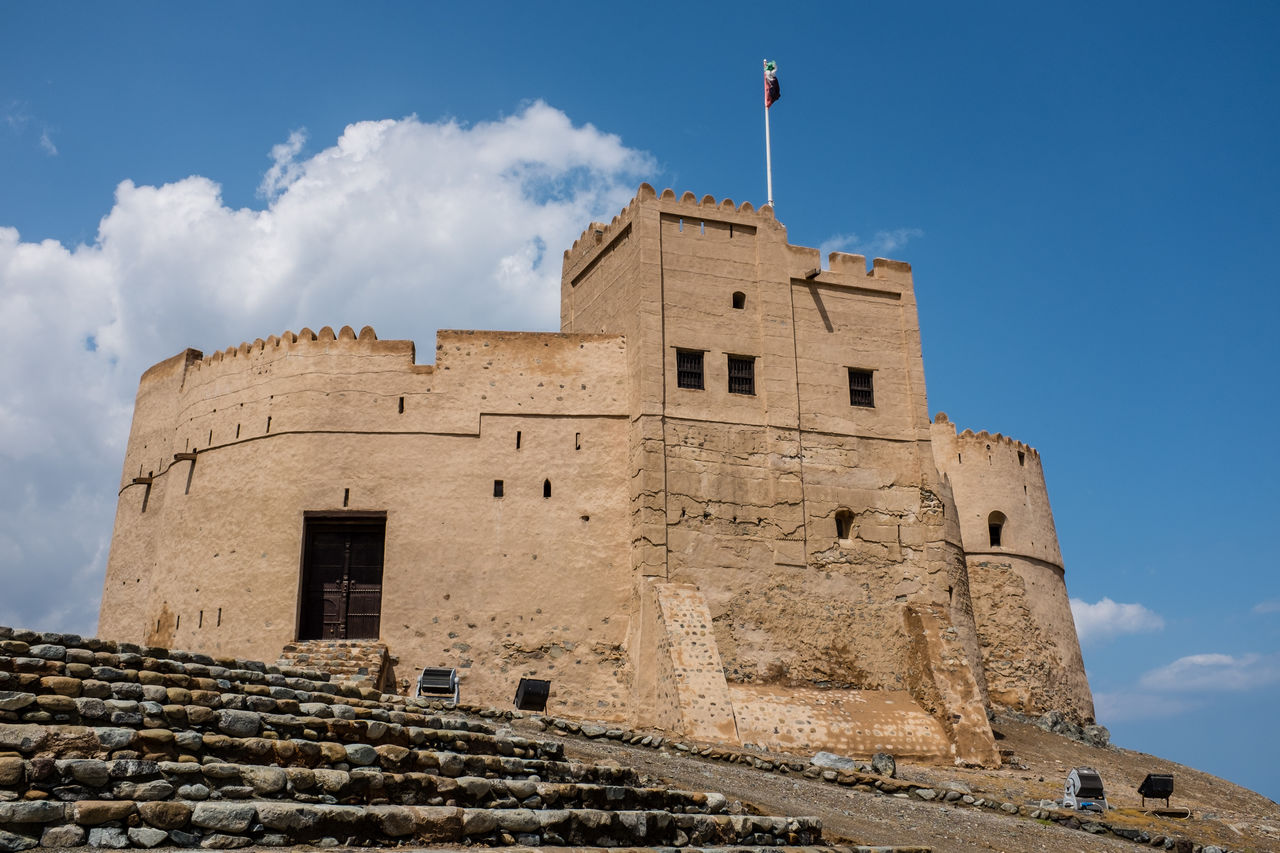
{"x": 1157, "y": 786}
{"x": 532, "y": 694}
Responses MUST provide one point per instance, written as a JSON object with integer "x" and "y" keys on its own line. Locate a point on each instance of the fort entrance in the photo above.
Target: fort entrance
{"x": 341, "y": 578}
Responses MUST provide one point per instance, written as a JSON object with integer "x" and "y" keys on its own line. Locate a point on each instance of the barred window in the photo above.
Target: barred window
{"x": 689, "y": 369}
{"x": 860, "y": 390}
{"x": 742, "y": 374}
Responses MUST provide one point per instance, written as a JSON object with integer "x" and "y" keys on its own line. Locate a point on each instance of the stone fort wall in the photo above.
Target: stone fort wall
{"x": 234, "y": 452}
{"x": 694, "y": 557}
{"x": 1031, "y": 655}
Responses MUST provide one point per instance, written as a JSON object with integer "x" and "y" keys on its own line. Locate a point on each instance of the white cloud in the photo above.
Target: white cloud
{"x": 1106, "y": 620}
{"x": 881, "y": 245}
{"x": 1209, "y": 672}
{"x": 47, "y": 144}
{"x": 404, "y": 225}
{"x": 1272, "y": 606}
{"x": 285, "y": 168}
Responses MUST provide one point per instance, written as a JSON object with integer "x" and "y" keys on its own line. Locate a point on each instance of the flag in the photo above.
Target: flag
{"x": 772, "y": 91}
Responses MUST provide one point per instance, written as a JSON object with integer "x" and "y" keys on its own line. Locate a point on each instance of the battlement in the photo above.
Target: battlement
{"x": 841, "y": 268}
{"x": 983, "y": 437}
{"x": 305, "y": 342}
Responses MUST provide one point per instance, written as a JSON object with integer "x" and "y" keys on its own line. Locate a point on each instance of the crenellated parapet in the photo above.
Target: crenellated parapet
{"x": 997, "y": 481}
{"x": 327, "y": 382}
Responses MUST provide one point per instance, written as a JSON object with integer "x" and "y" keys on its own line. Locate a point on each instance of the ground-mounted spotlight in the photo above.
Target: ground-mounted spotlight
{"x": 532, "y": 694}
{"x": 440, "y": 682}
{"x": 1157, "y": 786}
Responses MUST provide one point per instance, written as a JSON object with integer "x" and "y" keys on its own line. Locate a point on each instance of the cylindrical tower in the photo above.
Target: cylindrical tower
{"x": 1030, "y": 652}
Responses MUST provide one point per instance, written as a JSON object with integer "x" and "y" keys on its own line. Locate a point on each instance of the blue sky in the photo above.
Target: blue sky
{"x": 1087, "y": 194}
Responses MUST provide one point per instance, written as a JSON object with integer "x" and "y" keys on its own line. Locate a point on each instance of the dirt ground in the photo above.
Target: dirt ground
{"x": 1036, "y": 766}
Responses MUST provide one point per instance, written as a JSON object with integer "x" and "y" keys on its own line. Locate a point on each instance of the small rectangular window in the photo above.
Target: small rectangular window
{"x": 497, "y": 488}
{"x": 861, "y": 392}
{"x": 742, "y": 374}
{"x": 689, "y": 369}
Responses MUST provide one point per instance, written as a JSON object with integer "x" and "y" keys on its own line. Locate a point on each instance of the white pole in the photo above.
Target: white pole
{"x": 768, "y": 154}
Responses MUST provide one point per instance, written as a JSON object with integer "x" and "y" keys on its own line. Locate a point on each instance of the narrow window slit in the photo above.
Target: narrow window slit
{"x": 546, "y": 488}
{"x": 844, "y": 523}
{"x": 346, "y": 497}
{"x": 237, "y": 430}
{"x": 402, "y": 405}
{"x": 577, "y": 441}
{"x": 178, "y": 622}
{"x": 995, "y": 528}
{"x": 497, "y": 488}
{"x": 268, "y": 423}
{"x": 219, "y": 617}
{"x": 517, "y": 439}
{"x": 200, "y": 621}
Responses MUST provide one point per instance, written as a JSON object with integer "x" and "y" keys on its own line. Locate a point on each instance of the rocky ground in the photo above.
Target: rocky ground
{"x": 1036, "y": 766}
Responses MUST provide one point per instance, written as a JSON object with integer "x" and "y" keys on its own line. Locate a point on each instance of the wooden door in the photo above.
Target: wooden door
{"x": 342, "y": 579}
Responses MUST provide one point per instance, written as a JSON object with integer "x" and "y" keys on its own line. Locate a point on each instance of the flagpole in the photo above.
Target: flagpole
{"x": 768, "y": 152}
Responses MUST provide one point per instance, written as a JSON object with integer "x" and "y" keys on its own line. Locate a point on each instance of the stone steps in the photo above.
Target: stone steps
{"x": 161, "y": 745}
{"x": 70, "y": 780}
{"x": 121, "y": 746}
{"x": 230, "y": 824}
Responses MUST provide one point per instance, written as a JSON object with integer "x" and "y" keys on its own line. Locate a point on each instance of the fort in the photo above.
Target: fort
{"x": 714, "y": 504}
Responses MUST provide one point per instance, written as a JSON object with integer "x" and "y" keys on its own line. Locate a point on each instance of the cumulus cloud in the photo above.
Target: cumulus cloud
{"x": 1106, "y": 620}
{"x": 1272, "y": 606}
{"x": 1211, "y": 672}
{"x": 46, "y": 143}
{"x": 881, "y": 245}
{"x": 404, "y": 225}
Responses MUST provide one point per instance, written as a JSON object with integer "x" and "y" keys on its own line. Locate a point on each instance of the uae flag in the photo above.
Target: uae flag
{"x": 772, "y": 91}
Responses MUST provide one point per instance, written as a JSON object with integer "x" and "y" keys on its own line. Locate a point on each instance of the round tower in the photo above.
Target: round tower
{"x": 1030, "y": 652}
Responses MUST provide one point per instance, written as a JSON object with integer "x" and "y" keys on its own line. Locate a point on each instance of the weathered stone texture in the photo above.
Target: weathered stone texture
{"x": 538, "y": 491}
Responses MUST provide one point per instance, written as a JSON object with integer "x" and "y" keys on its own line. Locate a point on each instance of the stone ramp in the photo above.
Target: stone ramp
{"x": 693, "y": 691}
{"x": 116, "y": 745}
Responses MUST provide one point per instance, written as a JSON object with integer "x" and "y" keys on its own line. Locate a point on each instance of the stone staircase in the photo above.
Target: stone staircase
{"x": 367, "y": 663}
{"x": 120, "y": 746}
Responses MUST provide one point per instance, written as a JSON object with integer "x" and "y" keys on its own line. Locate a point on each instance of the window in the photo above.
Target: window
{"x": 739, "y": 299}
{"x": 689, "y": 369}
{"x": 995, "y": 527}
{"x": 860, "y": 390}
{"x": 742, "y": 374}
{"x": 546, "y": 488}
{"x": 844, "y": 523}
{"x": 497, "y": 488}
